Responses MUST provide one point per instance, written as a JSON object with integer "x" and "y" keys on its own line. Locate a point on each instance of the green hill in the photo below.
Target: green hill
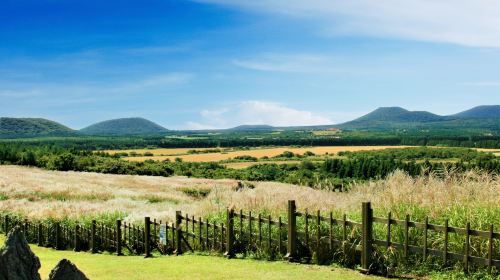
{"x": 32, "y": 127}
{"x": 392, "y": 117}
{"x": 124, "y": 126}
{"x": 479, "y": 118}
{"x": 486, "y": 111}
{"x": 252, "y": 128}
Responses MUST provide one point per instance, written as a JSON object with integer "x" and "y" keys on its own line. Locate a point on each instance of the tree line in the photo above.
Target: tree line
{"x": 329, "y": 174}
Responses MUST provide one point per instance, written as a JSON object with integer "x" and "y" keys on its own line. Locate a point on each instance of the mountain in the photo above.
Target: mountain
{"x": 398, "y": 114}
{"x": 32, "y": 127}
{"x": 124, "y": 126}
{"x": 485, "y": 117}
{"x": 252, "y": 128}
{"x": 392, "y": 117}
{"x": 483, "y": 112}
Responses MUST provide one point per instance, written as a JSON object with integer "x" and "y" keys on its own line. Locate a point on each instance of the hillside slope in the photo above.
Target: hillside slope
{"x": 124, "y": 126}
{"x": 32, "y": 127}
{"x": 485, "y": 111}
{"x": 386, "y": 118}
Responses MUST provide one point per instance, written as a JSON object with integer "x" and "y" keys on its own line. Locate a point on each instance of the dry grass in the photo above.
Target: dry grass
{"x": 496, "y": 152}
{"x": 241, "y": 165}
{"x": 39, "y": 194}
{"x": 171, "y": 151}
{"x": 258, "y": 152}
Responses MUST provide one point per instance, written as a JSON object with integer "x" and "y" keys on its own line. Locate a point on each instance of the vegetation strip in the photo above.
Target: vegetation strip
{"x": 308, "y": 236}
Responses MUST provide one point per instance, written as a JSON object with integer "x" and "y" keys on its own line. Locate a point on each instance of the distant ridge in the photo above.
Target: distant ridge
{"x": 32, "y": 127}
{"x": 398, "y": 118}
{"x": 484, "y": 118}
{"x": 485, "y": 111}
{"x": 248, "y": 127}
{"x": 123, "y": 127}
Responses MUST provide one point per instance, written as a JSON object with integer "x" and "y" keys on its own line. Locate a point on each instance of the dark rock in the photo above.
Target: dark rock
{"x": 66, "y": 270}
{"x": 17, "y": 261}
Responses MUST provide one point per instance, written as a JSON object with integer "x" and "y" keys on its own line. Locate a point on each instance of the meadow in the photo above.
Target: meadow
{"x": 40, "y": 194}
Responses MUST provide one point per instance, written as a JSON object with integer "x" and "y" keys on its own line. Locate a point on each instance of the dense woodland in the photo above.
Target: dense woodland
{"x": 257, "y": 139}
{"x": 327, "y": 174}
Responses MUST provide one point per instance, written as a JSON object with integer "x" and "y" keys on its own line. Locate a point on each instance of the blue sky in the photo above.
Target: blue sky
{"x": 221, "y": 63}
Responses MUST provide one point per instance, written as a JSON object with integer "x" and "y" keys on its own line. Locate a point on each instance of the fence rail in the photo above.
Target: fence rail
{"x": 300, "y": 236}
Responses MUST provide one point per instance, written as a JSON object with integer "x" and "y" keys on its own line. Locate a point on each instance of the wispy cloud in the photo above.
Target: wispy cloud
{"x": 463, "y": 22}
{"x": 159, "y": 81}
{"x": 255, "y": 112}
{"x": 57, "y": 95}
{"x": 293, "y": 63}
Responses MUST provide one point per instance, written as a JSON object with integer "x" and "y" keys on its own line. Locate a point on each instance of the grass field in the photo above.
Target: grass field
{"x": 38, "y": 193}
{"x": 256, "y": 152}
{"x": 109, "y": 267}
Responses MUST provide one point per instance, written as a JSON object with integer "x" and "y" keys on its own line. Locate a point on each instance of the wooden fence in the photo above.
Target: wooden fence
{"x": 298, "y": 237}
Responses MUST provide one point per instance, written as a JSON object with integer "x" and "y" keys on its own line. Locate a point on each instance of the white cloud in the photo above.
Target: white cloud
{"x": 464, "y": 22}
{"x": 299, "y": 63}
{"x": 257, "y": 113}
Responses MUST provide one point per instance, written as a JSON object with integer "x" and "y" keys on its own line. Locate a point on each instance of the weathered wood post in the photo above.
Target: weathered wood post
{"x": 25, "y": 228}
{"x": 178, "y": 233}
{"x": 147, "y": 237}
{"x": 77, "y": 238}
{"x": 6, "y": 224}
{"x": 93, "y": 240}
{"x": 119, "y": 237}
{"x": 367, "y": 238}
{"x": 40, "y": 235}
{"x": 230, "y": 234}
{"x": 467, "y": 249}
{"x": 58, "y": 236}
{"x": 291, "y": 255}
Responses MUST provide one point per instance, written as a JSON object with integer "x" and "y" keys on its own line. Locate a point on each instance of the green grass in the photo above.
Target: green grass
{"x": 105, "y": 266}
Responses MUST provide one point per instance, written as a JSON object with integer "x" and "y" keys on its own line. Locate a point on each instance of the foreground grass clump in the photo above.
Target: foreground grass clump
{"x": 109, "y": 267}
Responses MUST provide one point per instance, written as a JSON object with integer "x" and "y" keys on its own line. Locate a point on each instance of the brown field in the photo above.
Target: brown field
{"x": 156, "y": 152}
{"x": 39, "y": 193}
{"x": 258, "y": 152}
{"x": 241, "y": 165}
{"x": 496, "y": 152}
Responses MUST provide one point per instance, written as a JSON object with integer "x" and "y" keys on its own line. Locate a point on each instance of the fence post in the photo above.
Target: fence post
{"x": 367, "y": 238}
{"x": 147, "y": 237}
{"x": 40, "y": 234}
{"x": 230, "y": 234}
{"x": 77, "y": 238}
{"x": 6, "y": 224}
{"x": 93, "y": 237}
{"x": 178, "y": 233}
{"x": 58, "y": 236}
{"x": 291, "y": 255}
{"x": 119, "y": 237}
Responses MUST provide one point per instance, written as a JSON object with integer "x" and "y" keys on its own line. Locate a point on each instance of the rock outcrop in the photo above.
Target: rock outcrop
{"x": 17, "y": 261}
{"x": 66, "y": 270}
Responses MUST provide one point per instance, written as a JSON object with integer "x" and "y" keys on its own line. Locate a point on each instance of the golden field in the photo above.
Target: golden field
{"x": 37, "y": 193}
{"x": 156, "y": 152}
{"x": 257, "y": 152}
{"x": 245, "y": 164}
{"x": 496, "y": 152}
